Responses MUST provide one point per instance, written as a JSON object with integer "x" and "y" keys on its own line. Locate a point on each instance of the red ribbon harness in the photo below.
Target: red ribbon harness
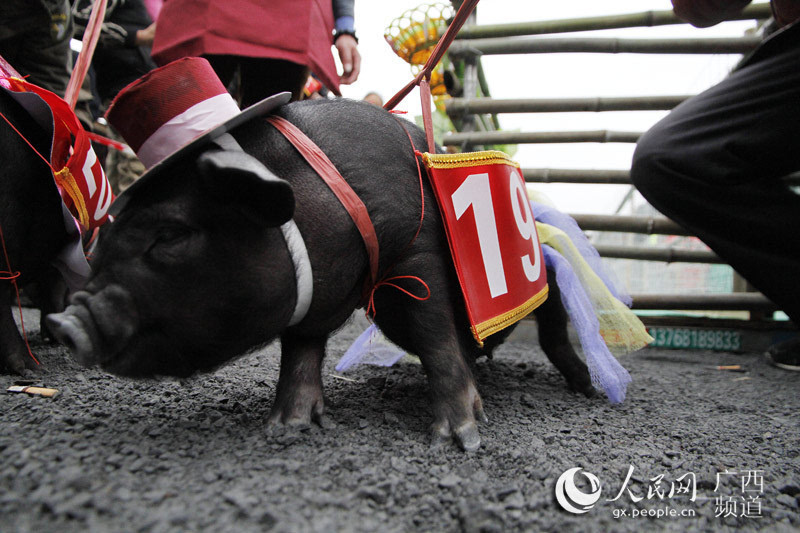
{"x": 317, "y": 159}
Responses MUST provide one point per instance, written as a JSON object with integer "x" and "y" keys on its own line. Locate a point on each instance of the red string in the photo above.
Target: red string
{"x": 10, "y": 275}
{"x": 106, "y": 141}
{"x": 422, "y": 79}
{"x": 28, "y": 143}
{"x": 385, "y": 281}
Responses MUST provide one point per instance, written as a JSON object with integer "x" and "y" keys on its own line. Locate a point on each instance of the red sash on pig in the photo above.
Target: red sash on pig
{"x": 492, "y": 236}
{"x": 317, "y": 159}
{"x": 299, "y": 31}
{"x": 77, "y": 171}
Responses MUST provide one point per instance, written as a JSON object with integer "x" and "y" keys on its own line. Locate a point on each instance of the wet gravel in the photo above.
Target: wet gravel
{"x": 119, "y": 455}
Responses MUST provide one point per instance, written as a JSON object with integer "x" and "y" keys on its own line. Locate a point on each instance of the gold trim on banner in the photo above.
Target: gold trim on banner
{"x": 484, "y": 329}
{"x": 66, "y": 181}
{"x": 468, "y": 159}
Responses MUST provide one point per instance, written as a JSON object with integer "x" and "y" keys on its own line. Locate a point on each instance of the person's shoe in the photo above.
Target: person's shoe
{"x": 785, "y": 355}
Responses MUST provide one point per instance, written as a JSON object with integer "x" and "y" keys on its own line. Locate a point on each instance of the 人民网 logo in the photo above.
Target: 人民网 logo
{"x": 573, "y": 499}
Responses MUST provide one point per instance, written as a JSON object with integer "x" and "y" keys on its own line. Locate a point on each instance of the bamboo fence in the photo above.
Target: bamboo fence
{"x": 609, "y": 22}
{"x": 603, "y": 45}
{"x": 521, "y": 38}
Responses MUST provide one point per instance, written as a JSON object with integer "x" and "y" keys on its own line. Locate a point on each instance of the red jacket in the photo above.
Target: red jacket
{"x": 299, "y": 31}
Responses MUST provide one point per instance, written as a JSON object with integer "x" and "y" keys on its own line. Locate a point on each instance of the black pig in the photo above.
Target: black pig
{"x": 195, "y": 272}
{"x": 31, "y": 222}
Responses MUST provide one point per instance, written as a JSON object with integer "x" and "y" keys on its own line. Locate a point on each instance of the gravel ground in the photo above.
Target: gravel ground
{"x": 118, "y": 455}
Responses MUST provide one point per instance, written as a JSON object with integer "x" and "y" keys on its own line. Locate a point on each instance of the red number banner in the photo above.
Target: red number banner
{"x": 492, "y": 236}
{"x": 78, "y": 173}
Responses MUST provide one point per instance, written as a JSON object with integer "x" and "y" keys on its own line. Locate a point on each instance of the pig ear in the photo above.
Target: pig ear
{"x": 239, "y": 178}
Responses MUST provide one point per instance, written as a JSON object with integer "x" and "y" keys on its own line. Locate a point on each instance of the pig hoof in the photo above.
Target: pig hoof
{"x": 325, "y": 422}
{"x": 440, "y": 435}
{"x": 296, "y": 416}
{"x": 458, "y": 421}
{"x": 18, "y": 364}
{"x": 466, "y": 436}
{"x": 584, "y": 387}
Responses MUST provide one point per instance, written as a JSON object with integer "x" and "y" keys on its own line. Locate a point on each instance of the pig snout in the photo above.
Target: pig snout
{"x": 95, "y": 327}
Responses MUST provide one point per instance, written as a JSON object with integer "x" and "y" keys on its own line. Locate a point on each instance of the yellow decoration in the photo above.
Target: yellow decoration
{"x": 413, "y": 36}
{"x": 484, "y": 329}
{"x": 468, "y": 159}
{"x": 66, "y": 181}
{"x": 620, "y": 328}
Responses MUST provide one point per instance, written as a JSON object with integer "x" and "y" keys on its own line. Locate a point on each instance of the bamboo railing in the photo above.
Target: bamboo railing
{"x": 610, "y": 22}
{"x": 539, "y": 137}
{"x": 521, "y": 38}
{"x": 600, "y": 45}
{"x": 459, "y": 106}
{"x": 595, "y": 176}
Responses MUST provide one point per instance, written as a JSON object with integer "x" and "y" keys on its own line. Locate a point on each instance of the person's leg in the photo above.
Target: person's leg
{"x": 226, "y": 67}
{"x": 262, "y": 77}
{"x": 715, "y": 164}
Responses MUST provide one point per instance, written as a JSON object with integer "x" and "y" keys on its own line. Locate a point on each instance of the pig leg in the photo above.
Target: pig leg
{"x": 51, "y": 298}
{"x": 299, "y": 400}
{"x": 457, "y": 405}
{"x": 551, "y": 318}
{"x": 14, "y": 356}
{"x": 429, "y": 329}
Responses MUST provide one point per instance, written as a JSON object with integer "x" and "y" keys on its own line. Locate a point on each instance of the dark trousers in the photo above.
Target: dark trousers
{"x": 715, "y": 163}
{"x": 259, "y": 77}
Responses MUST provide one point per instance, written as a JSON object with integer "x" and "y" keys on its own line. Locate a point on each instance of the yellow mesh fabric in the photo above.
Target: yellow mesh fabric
{"x": 622, "y": 330}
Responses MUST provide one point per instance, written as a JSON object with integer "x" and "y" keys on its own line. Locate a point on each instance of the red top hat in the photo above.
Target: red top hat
{"x": 177, "y": 107}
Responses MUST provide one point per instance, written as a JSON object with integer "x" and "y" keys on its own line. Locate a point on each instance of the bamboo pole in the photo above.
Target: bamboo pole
{"x": 89, "y": 43}
{"x": 544, "y": 45}
{"x": 484, "y": 85}
{"x": 743, "y": 300}
{"x": 631, "y": 20}
{"x": 538, "y": 137}
{"x": 597, "y": 176}
{"x": 461, "y": 106}
{"x": 630, "y": 224}
{"x": 762, "y": 324}
{"x": 667, "y": 255}
{"x": 567, "y": 175}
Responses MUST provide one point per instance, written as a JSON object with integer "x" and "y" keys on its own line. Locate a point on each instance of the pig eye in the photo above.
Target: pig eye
{"x": 169, "y": 242}
{"x": 172, "y": 234}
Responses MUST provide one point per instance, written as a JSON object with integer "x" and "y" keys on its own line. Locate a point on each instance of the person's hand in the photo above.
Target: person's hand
{"x": 347, "y": 47}
{"x": 82, "y": 11}
{"x": 705, "y": 13}
{"x": 145, "y": 37}
{"x": 112, "y": 35}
